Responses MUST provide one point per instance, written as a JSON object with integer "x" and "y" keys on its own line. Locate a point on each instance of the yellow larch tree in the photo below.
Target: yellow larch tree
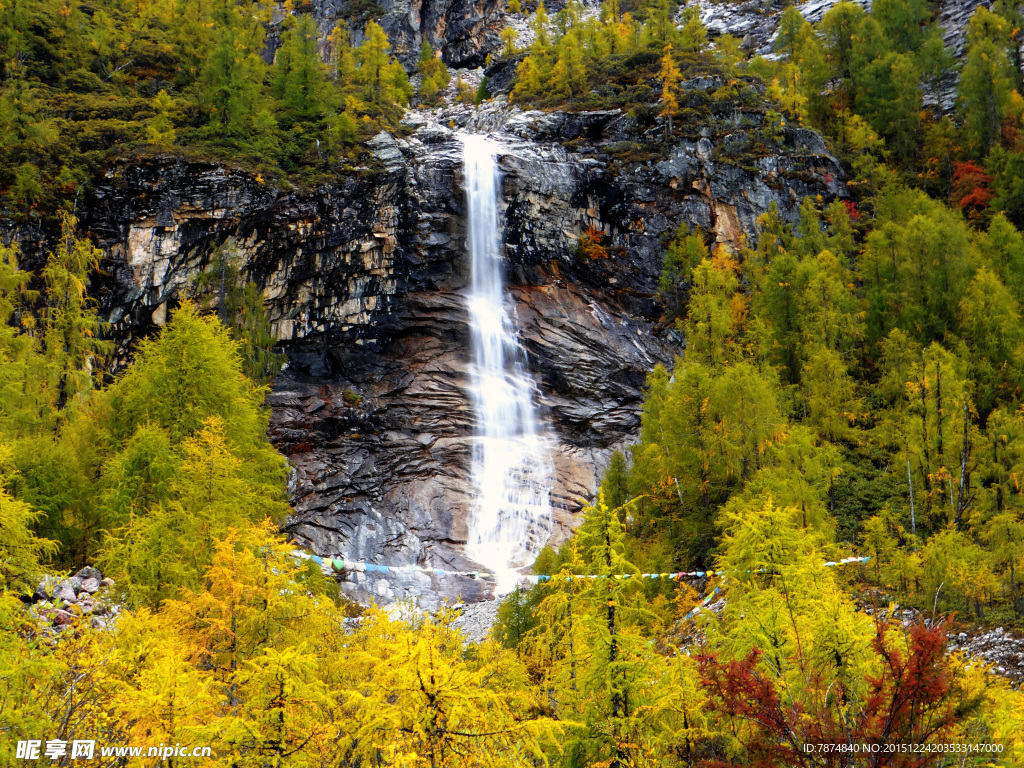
{"x": 670, "y": 77}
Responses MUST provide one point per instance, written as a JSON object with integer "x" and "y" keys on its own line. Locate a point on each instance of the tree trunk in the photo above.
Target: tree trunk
{"x": 964, "y": 497}
{"x": 938, "y": 409}
{"x": 910, "y": 489}
{"x": 1014, "y": 596}
{"x": 927, "y": 454}
{"x": 613, "y": 649}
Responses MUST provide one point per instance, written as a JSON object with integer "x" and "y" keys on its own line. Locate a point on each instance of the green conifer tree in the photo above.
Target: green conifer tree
{"x": 569, "y": 76}
{"x": 987, "y": 80}
{"x": 685, "y": 251}
{"x": 790, "y": 25}
{"x": 711, "y": 323}
{"x": 160, "y": 130}
{"x": 300, "y": 79}
{"x": 373, "y": 64}
{"x": 71, "y": 325}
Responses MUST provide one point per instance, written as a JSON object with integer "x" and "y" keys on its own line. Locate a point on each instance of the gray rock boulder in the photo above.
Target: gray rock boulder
{"x": 89, "y": 573}
{"x": 65, "y": 591}
{"x": 45, "y": 589}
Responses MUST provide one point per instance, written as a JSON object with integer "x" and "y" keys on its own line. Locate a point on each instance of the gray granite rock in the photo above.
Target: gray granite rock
{"x": 44, "y": 589}
{"x": 476, "y": 621}
{"x": 65, "y": 590}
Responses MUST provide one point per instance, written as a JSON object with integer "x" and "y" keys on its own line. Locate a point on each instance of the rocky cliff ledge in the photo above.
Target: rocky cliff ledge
{"x": 364, "y": 282}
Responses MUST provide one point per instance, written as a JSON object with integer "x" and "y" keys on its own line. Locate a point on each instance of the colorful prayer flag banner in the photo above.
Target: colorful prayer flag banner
{"x": 342, "y": 565}
{"x": 540, "y": 579}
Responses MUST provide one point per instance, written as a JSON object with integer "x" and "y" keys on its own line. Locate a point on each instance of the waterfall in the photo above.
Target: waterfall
{"x": 512, "y": 467}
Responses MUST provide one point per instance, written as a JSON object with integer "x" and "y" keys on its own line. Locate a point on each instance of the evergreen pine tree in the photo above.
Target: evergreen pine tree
{"x": 569, "y": 76}
{"x": 790, "y": 25}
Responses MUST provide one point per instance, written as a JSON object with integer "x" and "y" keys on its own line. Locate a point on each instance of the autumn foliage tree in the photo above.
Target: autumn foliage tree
{"x": 971, "y": 191}
{"x": 847, "y": 380}
{"x": 669, "y": 89}
{"x": 590, "y": 244}
{"x": 912, "y": 695}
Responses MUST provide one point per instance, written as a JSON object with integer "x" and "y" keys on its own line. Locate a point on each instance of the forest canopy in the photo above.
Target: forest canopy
{"x": 81, "y": 83}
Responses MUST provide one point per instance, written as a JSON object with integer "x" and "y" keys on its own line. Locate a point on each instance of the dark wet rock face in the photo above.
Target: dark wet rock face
{"x": 364, "y": 282}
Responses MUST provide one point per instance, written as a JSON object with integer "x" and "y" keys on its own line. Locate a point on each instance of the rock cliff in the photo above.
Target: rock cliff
{"x": 364, "y": 279}
{"x": 463, "y": 32}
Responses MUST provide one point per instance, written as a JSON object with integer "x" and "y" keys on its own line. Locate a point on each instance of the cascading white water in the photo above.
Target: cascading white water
{"x": 512, "y": 465}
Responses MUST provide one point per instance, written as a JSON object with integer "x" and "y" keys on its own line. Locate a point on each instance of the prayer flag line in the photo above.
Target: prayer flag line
{"x": 676, "y": 575}
{"x": 340, "y": 564}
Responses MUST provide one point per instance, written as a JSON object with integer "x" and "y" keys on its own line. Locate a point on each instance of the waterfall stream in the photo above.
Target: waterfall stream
{"x": 512, "y": 467}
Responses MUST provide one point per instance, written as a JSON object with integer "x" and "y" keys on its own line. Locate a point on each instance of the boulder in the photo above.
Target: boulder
{"x": 65, "y": 591}
{"x": 44, "y": 589}
{"x": 89, "y": 586}
{"x": 89, "y": 573}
